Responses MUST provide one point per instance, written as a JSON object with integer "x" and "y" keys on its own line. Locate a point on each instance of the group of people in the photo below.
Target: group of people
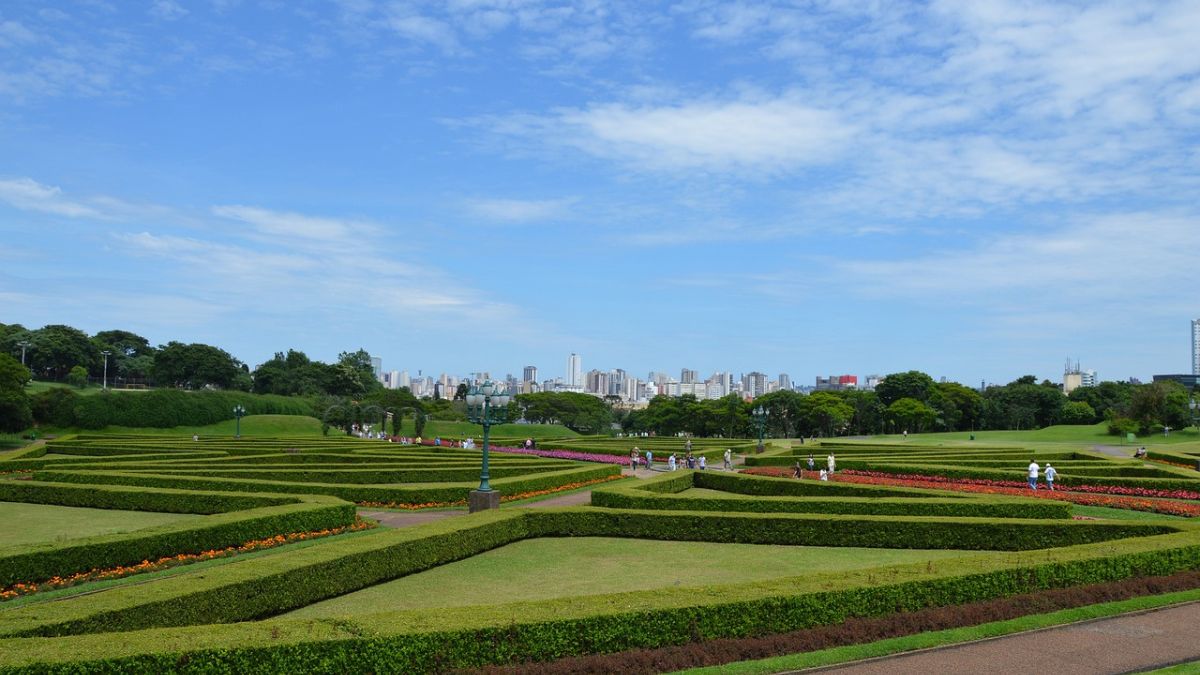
{"x": 824, "y": 474}
{"x": 1051, "y": 473}
{"x": 690, "y": 461}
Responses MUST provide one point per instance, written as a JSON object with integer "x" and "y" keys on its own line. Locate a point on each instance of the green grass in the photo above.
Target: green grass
{"x": 41, "y": 523}
{"x": 1083, "y": 434}
{"x": 37, "y": 387}
{"x": 252, "y": 425}
{"x": 1120, "y": 514}
{"x": 540, "y": 569}
{"x": 836, "y": 655}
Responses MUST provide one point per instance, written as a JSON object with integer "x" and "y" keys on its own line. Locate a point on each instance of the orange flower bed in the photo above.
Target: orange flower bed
{"x": 26, "y": 588}
{"x": 504, "y": 498}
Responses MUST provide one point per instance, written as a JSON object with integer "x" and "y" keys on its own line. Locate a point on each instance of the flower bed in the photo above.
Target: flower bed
{"x": 20, "y": 589}
{"x": 504, "y": 498}
{"x": 623, "y": 460}
{"x": 1121, "y": 500}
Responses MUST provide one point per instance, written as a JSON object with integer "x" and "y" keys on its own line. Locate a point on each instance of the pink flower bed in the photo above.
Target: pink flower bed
{"x": 623, "y": 460}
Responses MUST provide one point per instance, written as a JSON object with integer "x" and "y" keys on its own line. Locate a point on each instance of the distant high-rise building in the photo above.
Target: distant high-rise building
{"x": 574, "y": 371}
{"x": 377, "y": 366}
{"x": 1196, "y": 347}
{"x": 754, "y": 384}
{"x": 687, "y": 376}
{"x": 1074, "y": 377}
{"x": 785, "y": 381}
{"x": 1089, "y": 378}
{"x": 530, "y": 374}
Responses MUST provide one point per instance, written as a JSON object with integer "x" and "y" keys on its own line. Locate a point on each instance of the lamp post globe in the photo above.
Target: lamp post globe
{"x": 238, "y": 413}
{"x": 487, "y": 404}
{"x": 760, "y": 419}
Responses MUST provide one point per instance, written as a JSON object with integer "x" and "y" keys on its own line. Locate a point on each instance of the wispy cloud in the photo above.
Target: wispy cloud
{"x": 283, "y": 223}
{"x": 520, "y": 210}
{"x": 29, "y": 195}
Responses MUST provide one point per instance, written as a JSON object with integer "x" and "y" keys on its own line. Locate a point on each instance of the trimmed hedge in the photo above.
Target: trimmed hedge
{"x": 423, "y": 641}
{"x": 417, "y": 494}
{"x": 638, "y": 497}
{"x": 173, "y": 408}
{"x": 135, "y": 498}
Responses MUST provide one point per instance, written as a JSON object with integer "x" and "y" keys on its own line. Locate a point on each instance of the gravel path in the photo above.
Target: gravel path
{"x": 1121, "y": 644}
{"x": 1113, "y": 450}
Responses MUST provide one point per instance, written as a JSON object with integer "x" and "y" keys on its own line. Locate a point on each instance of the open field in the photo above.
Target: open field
{"x": 666, "y": 560}
{"x": 1093, "y": 434}
{"x": 40, "y": 523}
{"x": 542, "y": 569}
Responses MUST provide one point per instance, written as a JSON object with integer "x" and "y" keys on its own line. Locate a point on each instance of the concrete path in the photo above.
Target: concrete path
{"x": 1121, "y": 644}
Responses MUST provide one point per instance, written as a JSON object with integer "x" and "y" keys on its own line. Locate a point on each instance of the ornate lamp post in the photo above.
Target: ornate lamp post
{"x": 238, "y": 412}
{"x": 760, "y": 418}
{"x": 487, "y": 404}
{"x": 105, "y": 353}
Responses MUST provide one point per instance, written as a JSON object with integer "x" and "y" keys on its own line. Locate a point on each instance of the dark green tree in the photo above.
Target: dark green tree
{"x": 910, "y": 384}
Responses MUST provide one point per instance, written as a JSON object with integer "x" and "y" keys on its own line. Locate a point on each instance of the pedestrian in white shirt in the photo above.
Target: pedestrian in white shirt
{"x": 1051, "y": 474}
{"x": 1033, "y": 474}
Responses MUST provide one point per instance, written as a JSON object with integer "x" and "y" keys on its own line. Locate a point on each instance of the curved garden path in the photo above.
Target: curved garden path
{"x": 1120, "y": 644}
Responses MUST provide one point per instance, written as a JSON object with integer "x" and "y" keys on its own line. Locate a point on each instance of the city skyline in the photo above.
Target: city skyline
{"x": 973, "y": 190}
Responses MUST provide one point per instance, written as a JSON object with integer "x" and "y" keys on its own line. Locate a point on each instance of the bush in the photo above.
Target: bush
{"x": 55, "y": 406}
{"x": 166, "y": 408}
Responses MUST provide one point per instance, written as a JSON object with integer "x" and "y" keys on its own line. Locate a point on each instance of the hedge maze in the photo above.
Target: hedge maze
{"x": 235, "y": 616}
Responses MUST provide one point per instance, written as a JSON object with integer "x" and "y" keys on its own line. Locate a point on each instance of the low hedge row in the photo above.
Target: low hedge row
{"x": 416, "y": 494}
{"x": 621, "y": 497}
{"x": 836, "y": 530}
{"x": 44, "y": 561}
{"x": 425, "y": 641}
{"x": 135, "y": 499}
{"x": 364, "y": 476}
{"x": 766, "y": 486}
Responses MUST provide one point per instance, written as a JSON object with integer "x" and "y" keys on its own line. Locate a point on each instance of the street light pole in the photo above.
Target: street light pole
{"x": 23, "y": 344}
{"x": 487, "y": 404}
{"x": 238, "y": 413}
{"x": 760, "y": 418}
{"x": 105, "y": 353}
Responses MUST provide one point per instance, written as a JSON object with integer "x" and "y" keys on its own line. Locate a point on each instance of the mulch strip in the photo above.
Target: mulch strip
{"x": 853, "y": 631}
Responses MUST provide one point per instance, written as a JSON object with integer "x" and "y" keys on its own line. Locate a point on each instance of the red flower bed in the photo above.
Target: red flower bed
{"x": 983, "y": 486}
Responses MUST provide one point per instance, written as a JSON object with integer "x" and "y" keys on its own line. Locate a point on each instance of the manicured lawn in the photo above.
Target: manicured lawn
{"x": 1091, "y": 434}
{"x": 1120, "y": 514}
{"x": 252, "y": 425}
{"x": 42, "y": 523}
{"x": 538, "y": 569}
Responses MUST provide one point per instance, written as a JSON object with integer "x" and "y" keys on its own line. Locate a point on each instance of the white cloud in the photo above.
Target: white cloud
{"x": 520, "y": 210}
{"x": 283, "y": 223}
{"x": 168, "y": 10}
{"x": 29, "y": 195}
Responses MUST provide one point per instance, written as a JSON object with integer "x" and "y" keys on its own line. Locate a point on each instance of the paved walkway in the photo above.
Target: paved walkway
{"x": 1121, "y": 644}
{"x": 1114, "y": 450}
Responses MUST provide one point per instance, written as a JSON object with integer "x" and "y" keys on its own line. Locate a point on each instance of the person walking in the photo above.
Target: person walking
{"x": 729, "y": 459}
{"x": 1033, "y": 474}
{"x": 671, "y": 463}
{"x": 633, "y": 458}
{"x": 812, "y": 463}
{"x": 703, "y": 463}
{"x": 1051, "y": 474}
{"x": 649, "y": 459}
{"x": 796, "y": 471}
{"x": 831, "y": 462}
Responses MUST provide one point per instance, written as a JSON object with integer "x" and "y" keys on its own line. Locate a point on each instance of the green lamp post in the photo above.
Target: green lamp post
{"x": 238, "y": 412}
{"x": 487, "y": 404}
{"x": 760, "y": 419}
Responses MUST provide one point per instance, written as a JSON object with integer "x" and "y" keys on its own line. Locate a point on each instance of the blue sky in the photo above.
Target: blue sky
{"x": 977, "y": 190}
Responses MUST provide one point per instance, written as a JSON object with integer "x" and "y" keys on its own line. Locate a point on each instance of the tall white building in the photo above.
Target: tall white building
{"x": 575, "y": 371}
{"x": 1196, "y": 347}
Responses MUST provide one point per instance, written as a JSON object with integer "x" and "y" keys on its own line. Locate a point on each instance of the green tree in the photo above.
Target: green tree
{"x": 15, "y": 413}
{"x": 824, "y": 412}
{"x": 78, "y": 377}
{"x": 911, "y": 384}
{"x": 1077, "y": 412}
{"x": 911, "y": 414}
{"x": 193, "y": 366}
{"x": 55, "y": 349}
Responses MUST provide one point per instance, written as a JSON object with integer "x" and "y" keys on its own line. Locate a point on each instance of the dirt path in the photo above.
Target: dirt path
{"x": 1121, "y": 644}
{"x": 1114, "y": 450}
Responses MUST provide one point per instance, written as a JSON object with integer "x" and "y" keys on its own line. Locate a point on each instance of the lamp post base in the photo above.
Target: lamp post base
{"x": 478, "y": 500}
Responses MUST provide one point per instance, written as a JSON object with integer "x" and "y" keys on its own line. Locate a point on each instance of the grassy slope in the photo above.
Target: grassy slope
{"x": 435, "y": 428}
{"x": 41, "y": 523}
{"x": 1085, "y": 435}
{"x": 537, "y": 569}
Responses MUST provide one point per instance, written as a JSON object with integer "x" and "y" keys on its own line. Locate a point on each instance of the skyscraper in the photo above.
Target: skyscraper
{"x": 1196, "y": 347}
{"x": 530, "y": 374}
{"x": 575, "y": 371}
